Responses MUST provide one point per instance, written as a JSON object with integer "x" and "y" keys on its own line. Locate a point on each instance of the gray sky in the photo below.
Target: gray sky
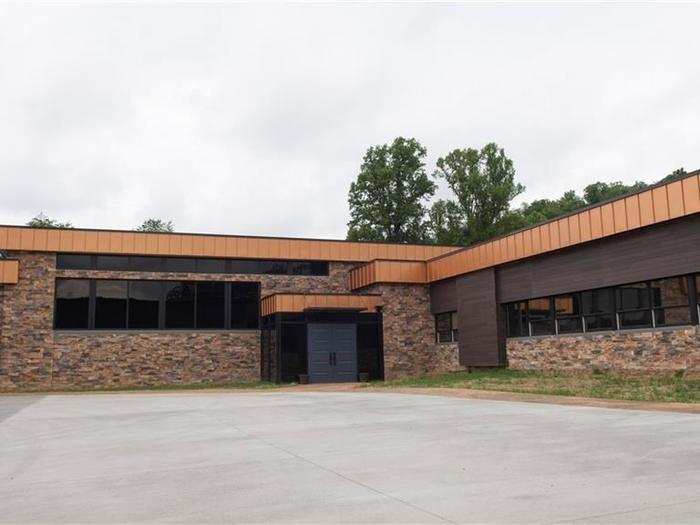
{"x": 254, "y": 119}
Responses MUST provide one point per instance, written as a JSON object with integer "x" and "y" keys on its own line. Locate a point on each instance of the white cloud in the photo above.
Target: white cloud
{"x": 254, "y": 119}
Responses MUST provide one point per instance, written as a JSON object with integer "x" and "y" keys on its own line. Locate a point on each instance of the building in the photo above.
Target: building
{"x": 614, "y": 286}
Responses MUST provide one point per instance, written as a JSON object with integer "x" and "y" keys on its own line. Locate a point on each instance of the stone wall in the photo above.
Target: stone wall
{"x": 663, "y": 350}
{"x": 409, "y": 333}
{"x": 34, "y": 356}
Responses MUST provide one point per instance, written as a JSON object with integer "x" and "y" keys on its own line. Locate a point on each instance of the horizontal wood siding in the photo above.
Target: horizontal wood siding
{"x": 662, "y": 250}
{"x": 443, "y": 296}
{"x": 478, "y": 319}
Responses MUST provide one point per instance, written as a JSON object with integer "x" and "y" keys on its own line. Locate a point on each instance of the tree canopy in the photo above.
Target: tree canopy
{"x": 387, "y": 200}
{"x": 42, "y": 221}
{"x": 156, "y": 225}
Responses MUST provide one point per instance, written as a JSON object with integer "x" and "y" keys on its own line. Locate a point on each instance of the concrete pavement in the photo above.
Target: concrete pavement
{"x": 341, "y": 457}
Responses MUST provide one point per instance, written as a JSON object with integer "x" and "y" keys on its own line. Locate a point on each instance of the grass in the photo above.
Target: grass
{"x": 667, "y": 388}
{"x": 252, "y": 385}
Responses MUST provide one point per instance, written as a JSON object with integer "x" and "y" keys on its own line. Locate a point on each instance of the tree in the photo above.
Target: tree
{"x": 42, "y": 221}
{"x": 484, "y": 183}
{"x": 156, "y": 225}
{"x": 602, "y": 191}
{"x": 446, "y": 223}
{"x": 676, "y": 174}
{"x": 387, "y": 199}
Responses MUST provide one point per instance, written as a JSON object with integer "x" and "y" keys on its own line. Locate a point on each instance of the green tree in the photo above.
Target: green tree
{"x": 156, "y": 225}
{"x": 387, "y": 198}
{"x": 42, "y": 221}
{"x": 446, "y": 223}
{"x": 602, "y": 191}
{"x": 676, "y": 174}
{"x": 484, "y": 183}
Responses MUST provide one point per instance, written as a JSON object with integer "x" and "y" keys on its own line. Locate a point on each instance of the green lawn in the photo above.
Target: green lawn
{"x": 599, "y": 385}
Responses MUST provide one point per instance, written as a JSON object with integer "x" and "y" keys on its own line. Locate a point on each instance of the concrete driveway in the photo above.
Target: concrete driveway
{"x": 341, "y": 457}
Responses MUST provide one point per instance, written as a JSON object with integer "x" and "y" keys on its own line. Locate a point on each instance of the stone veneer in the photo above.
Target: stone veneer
{"x": 409, "y": 333}
{"x": 663, "y": 350}
{"x": 34, "y": 356}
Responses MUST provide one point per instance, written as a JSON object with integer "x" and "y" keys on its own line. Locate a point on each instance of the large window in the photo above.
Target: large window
{"x": 446, "y": 327}
{"x": 72, "y": 304}
{"x": 155, "y": 305}
{"x": 65, "y": 261}
{"x": 662, "y": 302}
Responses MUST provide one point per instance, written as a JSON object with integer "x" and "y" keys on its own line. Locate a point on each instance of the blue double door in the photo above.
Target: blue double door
{"x": 332, "y": 352}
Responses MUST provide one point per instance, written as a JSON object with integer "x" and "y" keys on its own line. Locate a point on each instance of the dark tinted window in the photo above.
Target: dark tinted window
{"x": 597, "y": 301}
{"x": 210, "y": 305}
{"x": 568, "y": 311}
{"x": 180, "y": 264}
{"x": 211, "y": 265}
{"x": 541, "y": 321}
{"x": 72, "y": 303}
{"x": 517, "y": 319}
{"x": 146, "y": 264}
{"x": 144, "y": 301}
{"x": 244, "y": 305}
{"x": 112, "y": 262}
{"x": 110, "y": 304}
{"x": 245, "y": 266}
{"x": 632, "y": 296}
{"x": 179, "y": 305}
{"x": 635, "y": 319}
{"x": 66, "y": 261}
{"x": 443, "y": 326}
{"x": 670, "y": 292}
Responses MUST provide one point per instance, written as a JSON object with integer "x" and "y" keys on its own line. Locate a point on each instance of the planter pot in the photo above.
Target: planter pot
{"x": 303, "y": 379}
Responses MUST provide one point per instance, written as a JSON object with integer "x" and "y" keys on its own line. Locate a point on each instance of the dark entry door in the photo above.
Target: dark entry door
{"x": 332, "y": 350}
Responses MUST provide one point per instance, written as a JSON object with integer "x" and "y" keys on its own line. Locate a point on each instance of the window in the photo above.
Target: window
{"x": 598, "y": 311}
{"x": 633, "y": 305}
{"x": 72, "y": 304}
{"x": 568, "y": 313}
{"x": 110, "y": 304}
{"x": 671, "y": 301}
{"x": 66, "y": 261}
{"x": 210, "y": 305}
{"x": 540, "y": 316}
{"x": 189, "y": 264}
{"x": 245, "y": 301}
{"x": 516, "y": 314}
{"x": 144, "y": 304}
{"x": 446, "y": 327}
{"x": 179, "y": 305}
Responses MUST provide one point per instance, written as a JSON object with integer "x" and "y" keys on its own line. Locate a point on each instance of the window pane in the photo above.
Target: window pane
{"x": 211, "y": 265}
{"x": 210, "y": 305}
{"x": 542, "y": 327}
{"x": 443, "y": 327}
{"x": 596, "y": 323}
{"x": 567, "y": 305}
{"x": 110, "y": 304}
{"x": 65, "y": 261}
{"x": 635, "y": 319}
{"x": 455, "y": 324}
{"x": 112, "y": 262}
{"x": 144, "y": 300}
{"x": 517, "y": 320}
{"x": 679, "y": 315}
{"x": 179, "y": 305}
{"x": 244, "y": 305}
{"x": 632, "y": 296}
{"x": 243, "y": 266}
{"x": 539, "y": 308}
{"x": 146, "y": 264}
{"x": 568, "y": 325}
{"x": 597, "y": 301}
{"x": 319, "y": 268}
{"x": 72, "y": 303}
{"x": 670, "y": 292}
{"x": 179, "y": 264}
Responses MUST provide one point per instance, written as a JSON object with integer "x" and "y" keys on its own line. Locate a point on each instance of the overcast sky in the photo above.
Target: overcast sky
{"x": 254, "y": 119}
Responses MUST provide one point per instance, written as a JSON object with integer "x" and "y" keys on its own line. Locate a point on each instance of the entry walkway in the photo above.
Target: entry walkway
{"x": 304, "y": 456}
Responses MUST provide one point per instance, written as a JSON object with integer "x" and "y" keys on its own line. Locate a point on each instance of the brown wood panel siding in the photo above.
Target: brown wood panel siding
{"x": 655, "y": 205}
{"x": 388, "y": 271}
{"x": 662, "y": 250}
{"x": 9, "y": 272}
{"x": 295, "y": 303}
{"x": 443, "y": 296}
{"x": 136, "y": 243}
{"x": 477, "y": 313}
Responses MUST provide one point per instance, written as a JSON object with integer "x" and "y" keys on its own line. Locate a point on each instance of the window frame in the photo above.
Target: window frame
{"x": 453, "y": 331}
{"x": 92, "y": 284}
